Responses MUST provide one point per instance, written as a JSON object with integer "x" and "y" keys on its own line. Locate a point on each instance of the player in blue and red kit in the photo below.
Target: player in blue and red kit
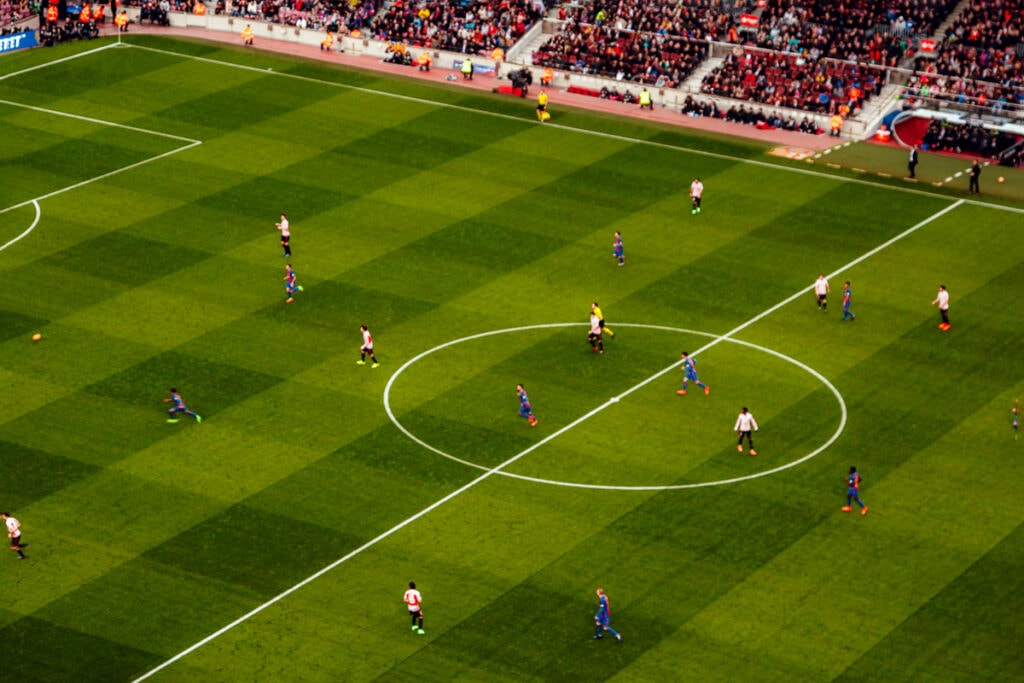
{"x": 846, "y": 302}
{"x": 1016, "y": 421}
{"x": 178, "y": 407}
{"x": 524, "y": 406}
{"x": 689, "y": 368}
{"x": 603, "y": 617}
{"x": 290, "y": 287}
{"x": 853, "y": 492}
{"x": 617, "y": 248}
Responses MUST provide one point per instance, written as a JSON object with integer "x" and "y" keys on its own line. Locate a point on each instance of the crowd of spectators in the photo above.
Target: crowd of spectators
{"x": 472, "y": 26}
{"x": 853, "y": 30}
{"x": 978, "y": 61}
{"x": 14, "y": 10}
{"x": 821, "y": 85}
{"x": 657, "y": 59}
{"x": 658, "y": 43}
{"x": 759, "y": 118}
{"x": 336, "y": 16}
{"x": 966, "y": 138}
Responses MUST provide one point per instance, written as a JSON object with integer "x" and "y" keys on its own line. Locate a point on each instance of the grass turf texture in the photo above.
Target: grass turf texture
{"x": 431, "y": 223}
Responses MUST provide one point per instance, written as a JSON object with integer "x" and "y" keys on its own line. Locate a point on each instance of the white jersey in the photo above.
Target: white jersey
{"x": 696, "y": 189}
{"x": 943, "y": 300}
{"x": 283, "y": 227}
{"x": 13, "y": 527}
{"x": 821, "y": 286}
{"x": 745, "y": 423}
{"x": 367, "y": 340}
{"x": 595, "y": 324}
{"x": 413, "y": 599}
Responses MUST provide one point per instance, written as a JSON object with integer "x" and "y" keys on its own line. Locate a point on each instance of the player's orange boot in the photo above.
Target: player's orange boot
{"x": 863, "y": 511}
{"x": 739, "y": 448}
{"x": 681, "y": 392}
{"x": 847, "y": 508}
{"x": 533, "y": 422}
{"x": 707, "y": 390}
{"x": 752, "y": 452}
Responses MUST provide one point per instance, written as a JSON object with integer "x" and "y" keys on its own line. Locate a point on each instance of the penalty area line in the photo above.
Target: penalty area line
{"x": 497, "y": 470}
{"x": 39, "y": 213}
{"x": 89, "y": 181}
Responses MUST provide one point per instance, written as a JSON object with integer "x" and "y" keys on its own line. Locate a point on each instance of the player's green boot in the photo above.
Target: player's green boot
{"x": 420, "y": 632}
{"x": 360, "y": 362}
{"x": 172, "y": 421}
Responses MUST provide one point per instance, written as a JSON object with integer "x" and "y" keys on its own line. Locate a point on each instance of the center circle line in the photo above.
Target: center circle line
{"x": 612, "y": 487}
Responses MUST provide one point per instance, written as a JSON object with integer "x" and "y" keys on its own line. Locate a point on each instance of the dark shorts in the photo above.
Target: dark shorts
{"x": 285, "y": 238}
{"x": 822, "y": 297}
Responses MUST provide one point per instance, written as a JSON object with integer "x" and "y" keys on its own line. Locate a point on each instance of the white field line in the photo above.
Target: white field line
{"x": 581, "y": 131}
{"x": 32, "y": 227}
{"x": 101, "y": 122}
{"x": 100, "y": 177}
{"x": 610, "y": 487}
{"x": 57, "y": 61}
{"x": 112, "y": 124}
{"x": 554, "y": 435}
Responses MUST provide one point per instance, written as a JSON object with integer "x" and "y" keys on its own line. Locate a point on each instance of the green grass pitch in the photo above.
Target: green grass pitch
{"x": 140, "y": 190}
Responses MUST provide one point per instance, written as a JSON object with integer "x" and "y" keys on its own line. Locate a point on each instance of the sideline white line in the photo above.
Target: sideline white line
{"x": 39, "y": 213}
{"x": 486, "y": 475}
{"x": 581, "y": 131}
{"x": 612, "y": 487}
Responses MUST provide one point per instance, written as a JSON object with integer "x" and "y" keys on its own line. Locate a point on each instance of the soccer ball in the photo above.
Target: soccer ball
{"x": 36, "y": 336}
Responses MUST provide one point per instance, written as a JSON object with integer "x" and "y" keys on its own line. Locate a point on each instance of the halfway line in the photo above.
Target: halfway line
{"x": 486, "y": 475}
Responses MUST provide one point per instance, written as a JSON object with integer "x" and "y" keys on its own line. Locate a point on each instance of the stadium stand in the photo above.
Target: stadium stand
{"x": 821, "y": 85}
{"x": 657, "y": 43}
{"x": 980, "y": 59}
{"x": 476, "y": 26}
{"x": 852, "y": 30}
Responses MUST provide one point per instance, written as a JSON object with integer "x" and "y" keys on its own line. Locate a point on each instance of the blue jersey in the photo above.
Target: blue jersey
{"x": 846, "y": 297}
{"x": 854, "y": 480}
{"x": 524, "y": 399}
{"x": 177, "y": 400}
{"x": 690, "y": 366}
{"x": 291, "y": 276}
{"x": 618, "y": 246}
{"x": 603, "y": 613}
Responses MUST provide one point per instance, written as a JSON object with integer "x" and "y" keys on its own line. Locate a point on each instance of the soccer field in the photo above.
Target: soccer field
{"x": 274, "y": 541}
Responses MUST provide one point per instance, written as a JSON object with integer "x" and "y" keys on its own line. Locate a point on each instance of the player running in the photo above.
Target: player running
{"x": 603, "y": 618}
{"x": 853, "y": 492}
{"x": 689, "y": 368}
{"x": 696, "y": 191}
{"x": 524, "y": 406}
{"x": 290, "y": 286}
{"x": 1015, "y": 423}
{"x": 594, "y": 335}
{"x": 617, "y": 248}
{"x": 414, "y": 601}
{"x": 178, "y": 407}
{"x": 367, "y": 348}
{"x": 745, "y": 425}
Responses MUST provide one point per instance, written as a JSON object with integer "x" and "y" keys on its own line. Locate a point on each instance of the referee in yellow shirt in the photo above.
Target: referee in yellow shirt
{"x": 596, "y": 310}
